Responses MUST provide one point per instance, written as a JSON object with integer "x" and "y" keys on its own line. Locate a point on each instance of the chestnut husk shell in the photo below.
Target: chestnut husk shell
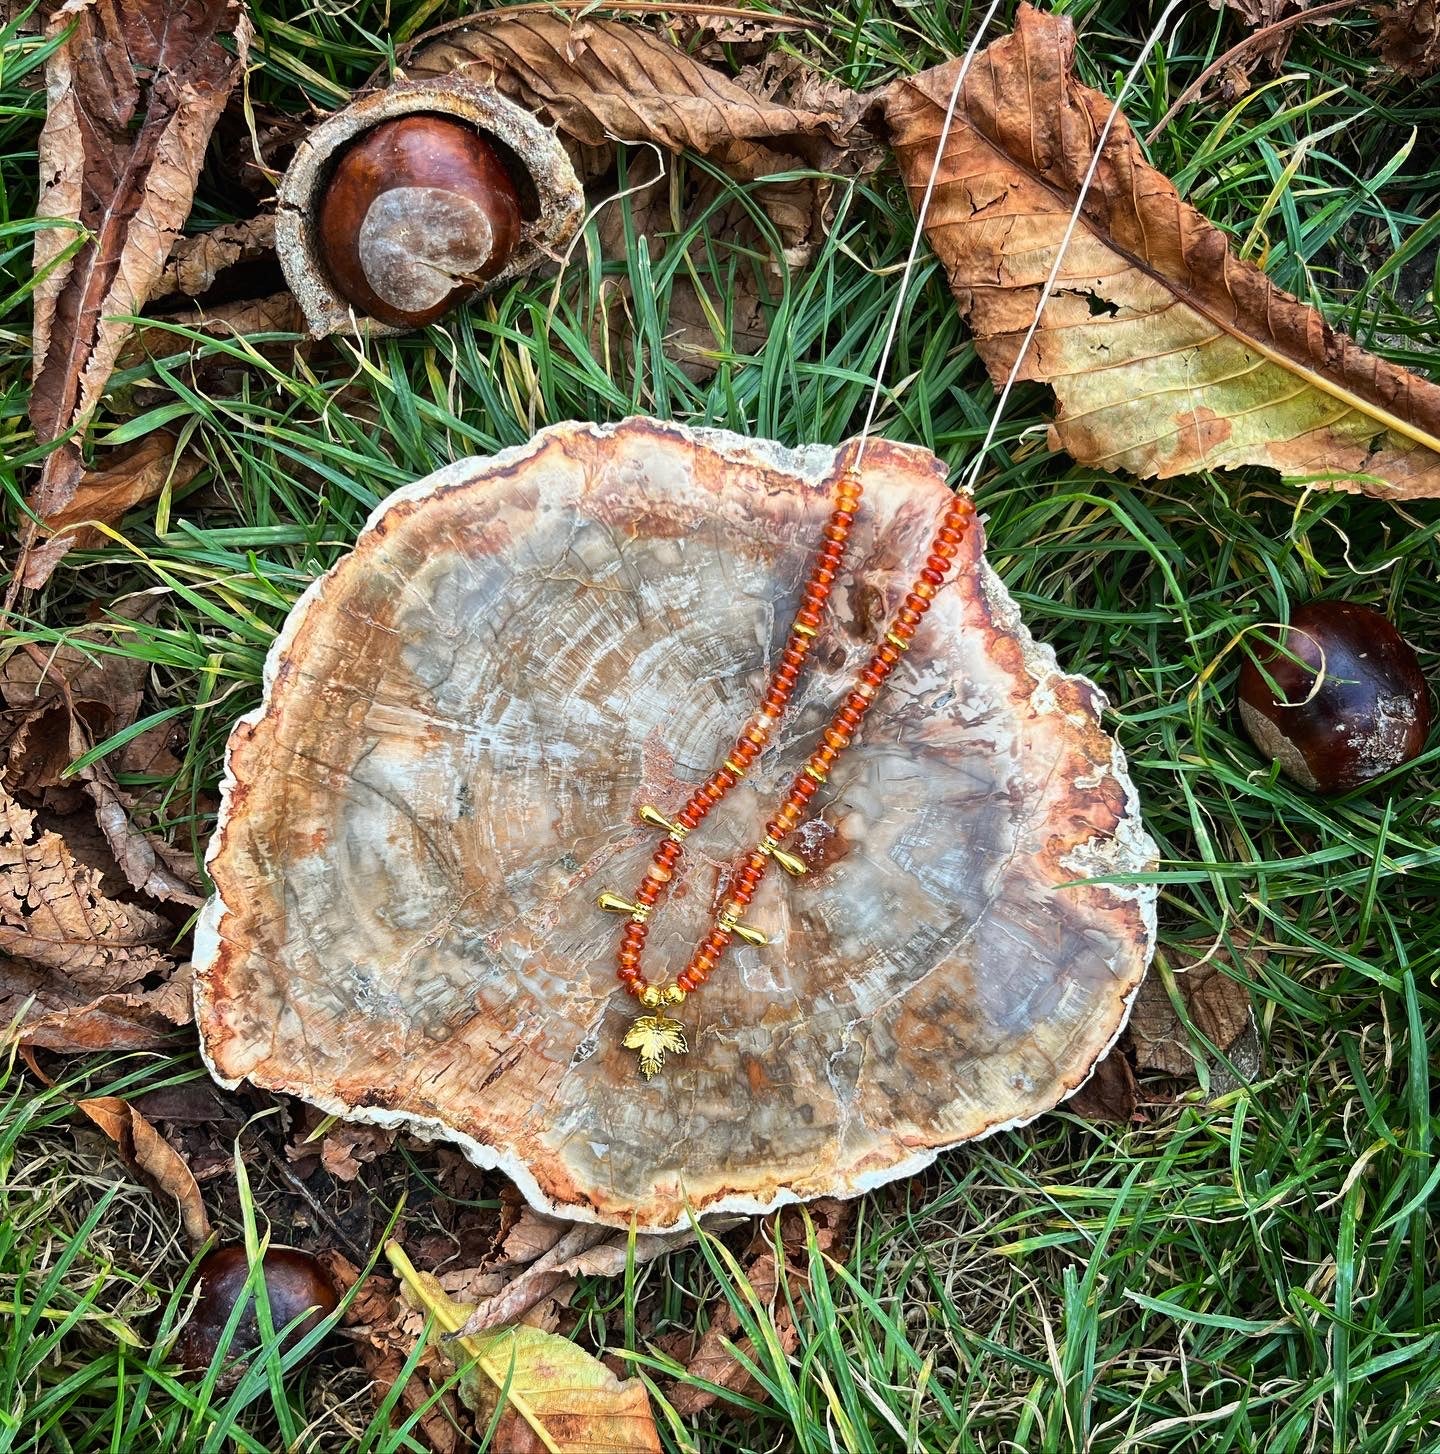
{"x": 1369, "y": 715}
{"x": 294, "y": 1282}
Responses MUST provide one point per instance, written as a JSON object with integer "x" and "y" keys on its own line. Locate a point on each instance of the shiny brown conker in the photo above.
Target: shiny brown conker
{"x": 294, "y": 1283}
{"x": 1369, "y": 713}
{"x": 417, "y": 213}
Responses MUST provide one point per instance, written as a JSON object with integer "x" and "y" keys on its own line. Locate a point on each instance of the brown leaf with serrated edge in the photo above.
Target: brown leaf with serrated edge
{"x": 150, "y": 1156}
{"x": 60, "y": 1018}
{"x": 373, "y": 1318}
{"x": 1410, "y": 37}
{"x": 550, "y": 1393}
{"x": 1218, "y": 1007}
{"x": 54, "y": 914}
{"x": 1167, "y": 354}
{"x": 135, "y": 88}
{"x": 605, "y": 81}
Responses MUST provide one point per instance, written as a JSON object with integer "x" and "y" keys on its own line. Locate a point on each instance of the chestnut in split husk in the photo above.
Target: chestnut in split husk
{"x": 294, "y": 1282}
{"x": 1369, "y": 713}
{"x": 418, "y": 212}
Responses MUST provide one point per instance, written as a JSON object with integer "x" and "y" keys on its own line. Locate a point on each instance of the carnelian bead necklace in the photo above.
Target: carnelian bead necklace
{"x": 656, "y": 1034}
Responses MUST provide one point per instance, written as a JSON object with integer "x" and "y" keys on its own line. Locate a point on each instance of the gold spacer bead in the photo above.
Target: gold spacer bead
{"x": 674, "y": 995}
{"x": 734, "y": 767}
{"x": 651, "y": 997}
{"x": 899, "y": 641}
{"x": 801, "y": 629}
{"x": 815, "y": 772}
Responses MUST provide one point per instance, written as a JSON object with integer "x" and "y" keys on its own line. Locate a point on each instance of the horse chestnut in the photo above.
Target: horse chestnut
{"x": 294, "y": 1283}
{"x": 1349, "y": 699}
{"x": 417, "y": 213}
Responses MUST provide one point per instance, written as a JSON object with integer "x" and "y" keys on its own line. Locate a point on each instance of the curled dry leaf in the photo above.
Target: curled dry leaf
{"x": 1167, "y": 354}
{"x": 604, "y": 81}
{"x": 54, "y": 914}
{"x": 555, "y": 1395}
{"x": 1216, "y": 1005}
{"x": 129, "y": 478}
{"x": 1410, "y": 37}
{"x": 197, "y": 262}
{"x": 135, "y": 88}
{"x": 150, "y": 1156}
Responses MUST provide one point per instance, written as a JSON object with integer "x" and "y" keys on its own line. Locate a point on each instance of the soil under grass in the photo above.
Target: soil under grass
{"x": 1252, "y": 1264}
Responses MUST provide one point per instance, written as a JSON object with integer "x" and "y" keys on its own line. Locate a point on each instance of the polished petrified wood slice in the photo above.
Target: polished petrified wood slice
{"x": 460, "y": 723}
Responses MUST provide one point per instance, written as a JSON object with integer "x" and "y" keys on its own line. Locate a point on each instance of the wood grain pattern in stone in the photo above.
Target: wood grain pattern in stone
{"x": 460, "y": 723}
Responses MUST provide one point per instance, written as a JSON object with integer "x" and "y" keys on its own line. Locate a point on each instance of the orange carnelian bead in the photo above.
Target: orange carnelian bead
{"x": 647, "y": 893}
{"x": 806, "y": 786}
{"x": 807, "y": 617}
{"x": 888, "y": 654}
{"x": 745, "y": 752}
{"x": 836, "y": 533}
{"x": 931, "y": 577}
{"x": 687, "y": 982}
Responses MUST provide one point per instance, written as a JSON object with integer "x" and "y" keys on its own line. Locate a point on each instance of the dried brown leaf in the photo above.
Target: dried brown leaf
{"x": 196, "y": 262}
{"x": 54, "y": 914}
{"x": 150, "y": 1156}
{"x": 1410, "y": 37}
{"x": 135, "y": 88}
{"x": 375, "y": 1318}
{"x": 139, "y": 1020}
{"x": 713, "y": 1361}
{"x": 1167, "y": 354}
{"x": 604, "y": 81}
{"x": 131, "y": 477}
{"x": 1110, "y": 1094}
{"x": 348, "y": 1146}
{"x": 1217, "y": 1006}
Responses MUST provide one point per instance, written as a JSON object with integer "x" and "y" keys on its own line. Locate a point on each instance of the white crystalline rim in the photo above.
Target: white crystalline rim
{"x": 1133, "y": 849}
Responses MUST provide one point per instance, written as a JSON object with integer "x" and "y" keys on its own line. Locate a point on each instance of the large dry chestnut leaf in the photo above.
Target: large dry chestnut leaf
{"x": 605, "y": 81}
{"x": 1167, "y": 354}
{"x": 461, "y": 722}
{"x": 133, "y": 94}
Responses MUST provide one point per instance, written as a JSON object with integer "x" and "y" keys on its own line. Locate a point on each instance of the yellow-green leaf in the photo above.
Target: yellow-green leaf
{"x": 571, "y": 1403}
{"x": 1166, "y": 352}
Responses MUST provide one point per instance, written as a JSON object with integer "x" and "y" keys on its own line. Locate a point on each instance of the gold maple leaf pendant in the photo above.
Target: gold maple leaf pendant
{"x": 656, "y": 1036}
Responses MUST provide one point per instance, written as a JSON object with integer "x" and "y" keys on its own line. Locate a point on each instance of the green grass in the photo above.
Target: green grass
{"x": 1255, "y": 1266}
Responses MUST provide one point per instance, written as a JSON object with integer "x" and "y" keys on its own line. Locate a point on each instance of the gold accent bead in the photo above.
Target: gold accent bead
{"x": 674, "y": 995}
{"x": 614, "y": 904}
{"x": 734, "y": 767}
{"x": 651, "y": 997}
{"x": 815, "y": 772}
{"x": 792, "y": 865}
{"x": 731, "y": 925}
{"x": 656, "y": 819}
{"x": 899, "y": 641}
{"x": 801, "y": 629}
